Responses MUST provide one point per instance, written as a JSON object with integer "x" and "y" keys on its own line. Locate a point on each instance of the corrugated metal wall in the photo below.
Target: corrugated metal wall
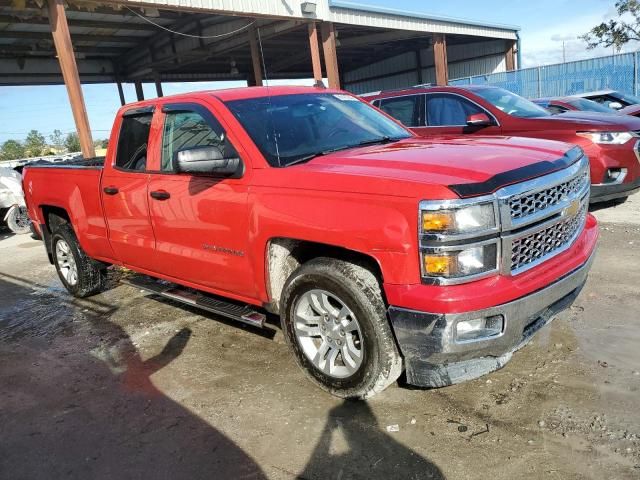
{"x": 401, "y": 71}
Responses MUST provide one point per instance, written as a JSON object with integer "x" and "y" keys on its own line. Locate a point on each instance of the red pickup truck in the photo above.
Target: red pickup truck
{"x": 380, "y": 251}
{"x": 612, "y": 142}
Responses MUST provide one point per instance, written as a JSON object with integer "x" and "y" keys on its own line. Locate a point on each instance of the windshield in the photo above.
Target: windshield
{"x": 292, "y": 128}
{"x": 511, "y": 103}
{"x": 588, "y": 105}
{"x": 626, "y": 98}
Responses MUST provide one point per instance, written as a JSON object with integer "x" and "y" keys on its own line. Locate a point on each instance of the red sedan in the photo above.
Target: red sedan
{"x": 611, "y": 141}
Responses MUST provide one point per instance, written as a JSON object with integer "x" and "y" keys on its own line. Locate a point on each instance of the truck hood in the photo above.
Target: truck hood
{"x": 592, "y": 121}
{"x": 439, "y": 163}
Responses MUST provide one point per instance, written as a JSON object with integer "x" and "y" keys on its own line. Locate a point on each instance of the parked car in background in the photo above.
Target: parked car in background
{"x": 611, "y": 98}
{"x": 611, "y": 143}
{"x": 379, "y": 250}
{"x": 633, "y": 110}
{"x": 556, "y": 105}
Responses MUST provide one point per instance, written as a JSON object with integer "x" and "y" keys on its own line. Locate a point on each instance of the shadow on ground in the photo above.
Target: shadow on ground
{"x": 78, "y": 402}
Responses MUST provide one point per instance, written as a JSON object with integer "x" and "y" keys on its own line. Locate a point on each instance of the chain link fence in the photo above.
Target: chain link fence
{"x": 616, "y": 72}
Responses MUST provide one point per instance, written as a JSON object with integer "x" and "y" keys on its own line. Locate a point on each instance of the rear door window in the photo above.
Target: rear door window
{"x": 406, "y": 109}
{"x": 444, "y": 110}
{"x": 132, "y": 142}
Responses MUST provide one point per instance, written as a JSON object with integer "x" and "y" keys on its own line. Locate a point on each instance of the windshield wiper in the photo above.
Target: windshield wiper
{"x": 311, "y": 156}
{"x": 372, "y": 141}
{"x": 379, "y": 140}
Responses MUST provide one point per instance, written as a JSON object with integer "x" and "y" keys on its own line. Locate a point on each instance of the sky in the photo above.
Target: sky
{"x": 544, "y": 24}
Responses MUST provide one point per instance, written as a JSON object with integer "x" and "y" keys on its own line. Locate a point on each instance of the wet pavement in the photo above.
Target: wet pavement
{"x": 127, "y": 385}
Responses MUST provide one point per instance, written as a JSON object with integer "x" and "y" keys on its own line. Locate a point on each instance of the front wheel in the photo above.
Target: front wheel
{"x": 81, "y": 275}
{"x": 334, "y": 319}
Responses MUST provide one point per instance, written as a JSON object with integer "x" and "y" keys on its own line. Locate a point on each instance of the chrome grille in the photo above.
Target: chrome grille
{"x": 522, "y": 206}
{"x": 530, "y": 249}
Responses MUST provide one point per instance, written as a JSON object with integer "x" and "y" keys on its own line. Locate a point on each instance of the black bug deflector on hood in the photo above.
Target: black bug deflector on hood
{"x": 517, "y": 175}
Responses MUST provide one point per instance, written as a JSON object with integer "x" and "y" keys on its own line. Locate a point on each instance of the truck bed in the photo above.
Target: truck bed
{"x": 73, "y": 187}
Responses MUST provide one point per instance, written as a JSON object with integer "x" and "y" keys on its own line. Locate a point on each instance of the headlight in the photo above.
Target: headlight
{"x": 608, "y": 138}
{"x": 460, "y": 262}
{"x": 459, "y": 220}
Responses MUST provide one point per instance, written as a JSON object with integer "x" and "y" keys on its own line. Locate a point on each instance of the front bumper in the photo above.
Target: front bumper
{"x": 603, "y": 192}
{"x": 433, "y": 358}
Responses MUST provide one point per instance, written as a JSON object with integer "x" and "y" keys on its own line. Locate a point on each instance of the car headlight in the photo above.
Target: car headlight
{"x": 458, "y": 240}
{"x": 456, "y": 263}
{"x": 608, "y": 138}
{"x": 458, "y": 220}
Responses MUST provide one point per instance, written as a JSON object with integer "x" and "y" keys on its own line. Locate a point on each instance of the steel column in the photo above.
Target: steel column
{"x": 328, "y": 33}
{"x": 256, "y": 58}
{"x": 315, "y": 53}
{"x": 67, "y": 59}
{"x": 139, "y": 91}
{"x": 440, "y": 59}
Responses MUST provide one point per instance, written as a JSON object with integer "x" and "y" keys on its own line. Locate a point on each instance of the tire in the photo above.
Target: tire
{"x": 354, "y": 287}
{"x": 18, "y": 221}
{"x": 67, "y": 256}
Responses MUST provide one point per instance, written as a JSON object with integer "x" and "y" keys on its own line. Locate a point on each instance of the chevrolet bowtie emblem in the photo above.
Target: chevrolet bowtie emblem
{"x": 572, "y": 210}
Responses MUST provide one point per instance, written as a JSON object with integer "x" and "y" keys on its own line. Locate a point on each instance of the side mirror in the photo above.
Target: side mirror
{"x": 615, "y": 105}
{"x": 479, "y": 120}
{"x": 207, "y": 160}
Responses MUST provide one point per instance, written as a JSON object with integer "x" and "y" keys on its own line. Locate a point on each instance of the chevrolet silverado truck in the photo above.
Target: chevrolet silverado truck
{"x": 381, "y": 252}
{"x": 611, "y": 142}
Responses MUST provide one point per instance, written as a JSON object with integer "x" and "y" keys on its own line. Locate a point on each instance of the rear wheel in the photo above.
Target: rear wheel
{"x": 334, "y": 319}
{"x": 81, "y": 275}
{"x": 18, "y": 221}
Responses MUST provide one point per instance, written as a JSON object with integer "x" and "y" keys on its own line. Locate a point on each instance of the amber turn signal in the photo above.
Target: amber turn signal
{"x": 436, "y": 265}
{"x": 436, "y": 221}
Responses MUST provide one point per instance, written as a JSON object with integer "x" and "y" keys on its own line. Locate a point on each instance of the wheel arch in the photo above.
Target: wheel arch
{"x": 284, "y": 255}
{"x": 52, "y": 216}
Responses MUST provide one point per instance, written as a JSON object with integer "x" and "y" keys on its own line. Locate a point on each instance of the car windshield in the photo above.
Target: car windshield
{"x": 511, "y": 103}
{"x": 293, "y": 128}
{"x": 588, "y": 105}
{"x": 626, "y": 98}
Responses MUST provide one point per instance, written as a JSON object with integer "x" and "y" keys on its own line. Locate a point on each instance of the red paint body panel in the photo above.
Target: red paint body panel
{"x": 213, "y": 233}
{"x": 562, "y": 128}
{"x": 495, "y": 290}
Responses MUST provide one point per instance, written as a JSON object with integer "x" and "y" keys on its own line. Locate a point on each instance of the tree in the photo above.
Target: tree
{"x": 57, "y": 140}
{"x": 35, "y": 144}
{"x": 12, "y": 150}
{"x": 72, "y": 142}
{"x": 615, "y": 33}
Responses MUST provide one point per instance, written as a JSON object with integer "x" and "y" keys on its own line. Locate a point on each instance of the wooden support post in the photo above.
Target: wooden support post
{"x": 510, "y": 55}
{"x": 120, "y": 92}
{"x": 256, "y": 58}
{"x": 158, "y": 83}
{"x": 315, "y": 54}
{"x": 139, "y": 91}
{"x": 330, "y": 54}
{"x": 440, "y": 58}
{"x": 67, "y": 60}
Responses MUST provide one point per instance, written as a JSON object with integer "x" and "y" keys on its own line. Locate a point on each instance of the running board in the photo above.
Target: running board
{"x": 233, "y": 310}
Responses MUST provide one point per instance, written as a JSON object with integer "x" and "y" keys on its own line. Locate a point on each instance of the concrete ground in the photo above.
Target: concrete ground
{"x": 126, "y": 385}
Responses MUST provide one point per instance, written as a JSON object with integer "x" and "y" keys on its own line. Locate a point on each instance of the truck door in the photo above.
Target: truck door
{"x": 447, "y": 113}
{"x": 124, "y": 192}
{"x": 200, "y": 221}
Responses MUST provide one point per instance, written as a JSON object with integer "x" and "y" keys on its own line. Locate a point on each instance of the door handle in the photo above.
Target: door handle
{"x": 160, "y": 195}
{"x": 110, "y": 190}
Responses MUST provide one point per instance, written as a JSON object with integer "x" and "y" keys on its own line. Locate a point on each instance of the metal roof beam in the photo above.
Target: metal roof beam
{"x": 10, "y": 34}
{"x": 17, "y": 20}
